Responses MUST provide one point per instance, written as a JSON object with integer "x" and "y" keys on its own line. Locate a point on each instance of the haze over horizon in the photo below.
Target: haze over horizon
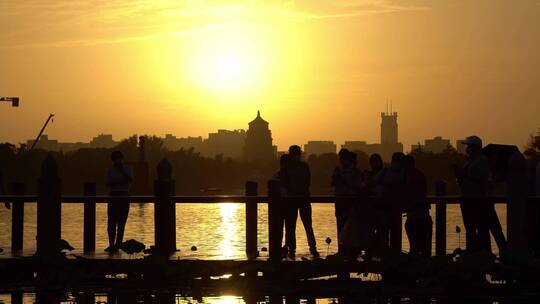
{"x": 317, "y": 70}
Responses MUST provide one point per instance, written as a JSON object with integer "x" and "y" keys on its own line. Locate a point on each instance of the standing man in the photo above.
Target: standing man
{"x": 473, "y": 180}
{"x": 393, "y": 192}
{"x": 118, "y": 179}
{"x": 280, "y": 176}
{"x": 297, "y": 182}
{"x": 419, "y": 225}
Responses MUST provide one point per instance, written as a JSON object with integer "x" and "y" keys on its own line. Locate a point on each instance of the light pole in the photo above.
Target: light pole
{"x": 14, "y": 100}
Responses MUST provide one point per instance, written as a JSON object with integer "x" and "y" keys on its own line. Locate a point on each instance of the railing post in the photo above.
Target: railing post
{"x": 440, "y": 219}
{"x": 274, "y": 220}
{"x": 164, "y": 209}
{"x": 89, "y": 243}
{"x": 48, "y": 208}
{"x": 17, "y": 218}
{"x": 16, "y": 297}
{"x": 251, "y": 221}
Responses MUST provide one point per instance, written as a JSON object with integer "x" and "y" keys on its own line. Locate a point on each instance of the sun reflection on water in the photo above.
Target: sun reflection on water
{"x": 228, "y": 230}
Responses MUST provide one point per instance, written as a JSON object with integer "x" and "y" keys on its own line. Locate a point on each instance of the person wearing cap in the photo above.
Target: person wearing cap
{"x": 297, "y": 182}
{"x": 473, "y": 179}
{"x": 118, "y": 179}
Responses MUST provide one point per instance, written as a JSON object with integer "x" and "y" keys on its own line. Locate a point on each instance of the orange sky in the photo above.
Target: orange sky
{"x": 316, "y": 69}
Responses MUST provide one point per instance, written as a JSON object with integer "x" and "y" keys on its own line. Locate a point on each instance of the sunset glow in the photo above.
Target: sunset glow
{"x": 212, "y": 64}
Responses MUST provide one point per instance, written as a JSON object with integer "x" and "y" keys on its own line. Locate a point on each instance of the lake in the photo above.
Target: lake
{"x": 217, "y": 230}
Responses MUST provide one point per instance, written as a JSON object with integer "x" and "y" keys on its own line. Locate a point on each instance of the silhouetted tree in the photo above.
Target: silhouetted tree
{"x": 532, "y": 150}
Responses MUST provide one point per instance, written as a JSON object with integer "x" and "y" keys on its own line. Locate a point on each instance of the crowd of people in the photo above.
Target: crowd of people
{"x": 369, "y": 204}
{"x": 363, "y": 225}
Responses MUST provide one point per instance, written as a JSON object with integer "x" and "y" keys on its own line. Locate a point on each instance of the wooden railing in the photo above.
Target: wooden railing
{"x": 49, "y": 200}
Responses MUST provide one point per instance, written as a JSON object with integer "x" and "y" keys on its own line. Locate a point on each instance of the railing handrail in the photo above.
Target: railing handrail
{"x": 451, "y": 199}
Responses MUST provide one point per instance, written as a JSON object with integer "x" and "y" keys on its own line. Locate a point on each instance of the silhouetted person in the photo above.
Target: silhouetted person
{"x": 393, "y": 193}
{"x": 372, "y": 182}
{"x": 346, "y": 181}
{"x": 281, "y": 176}
{"x": 372, "y": 179}
{"x": 356, "y": 233}
{"x": 297, "y": 183}
{"x": 118, "y": 179}
{"x": 419, "y": 225}
{"x": 473, "y": 180}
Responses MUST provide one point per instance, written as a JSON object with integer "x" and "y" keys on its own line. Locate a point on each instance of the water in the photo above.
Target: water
{"x": 218, "y": 230}
{"x": 30, "y": 298}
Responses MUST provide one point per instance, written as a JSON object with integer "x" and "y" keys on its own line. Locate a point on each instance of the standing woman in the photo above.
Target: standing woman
{"x": 118, "y": 179}
{"x": 354, "y": 233}
{"x": 372, "y": 183}
{"x": 344, "y": 181}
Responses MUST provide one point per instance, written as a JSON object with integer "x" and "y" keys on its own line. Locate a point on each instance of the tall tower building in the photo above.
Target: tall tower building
{"x": 389, "y": 128}
{"x": 258, "y": 144}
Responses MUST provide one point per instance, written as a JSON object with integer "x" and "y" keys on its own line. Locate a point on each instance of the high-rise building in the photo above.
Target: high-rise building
{"x": 389, "y": 128}
{"x": 319, "y": 147}
{"x": 258, "y": 144}
{"x": 389, "y": 139}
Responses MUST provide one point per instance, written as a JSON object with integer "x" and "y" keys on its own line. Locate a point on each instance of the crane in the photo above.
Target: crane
{"x": 14, "y": 100}
{"x": 41, "y": 132}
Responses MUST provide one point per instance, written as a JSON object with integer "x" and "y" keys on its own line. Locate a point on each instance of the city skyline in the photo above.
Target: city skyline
{"x": 238, "y": 144}
{"x": 282, "y": 145}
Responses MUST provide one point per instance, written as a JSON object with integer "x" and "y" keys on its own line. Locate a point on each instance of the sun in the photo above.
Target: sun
{"x": 226, "y": 63}
{"x": 228, "y": 68}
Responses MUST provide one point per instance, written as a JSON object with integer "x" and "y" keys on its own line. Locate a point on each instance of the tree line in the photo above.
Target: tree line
{"x": 196, "y": 174}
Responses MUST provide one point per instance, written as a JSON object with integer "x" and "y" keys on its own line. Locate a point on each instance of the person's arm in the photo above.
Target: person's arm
{"x": 423, "y": 184}
{"x": 478, "y": 172}
{"x": 127, "y": 172}
{"x": 459, "y": 173}
{"x": 109, "y": 179}
{"x": 308, "y": 176}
